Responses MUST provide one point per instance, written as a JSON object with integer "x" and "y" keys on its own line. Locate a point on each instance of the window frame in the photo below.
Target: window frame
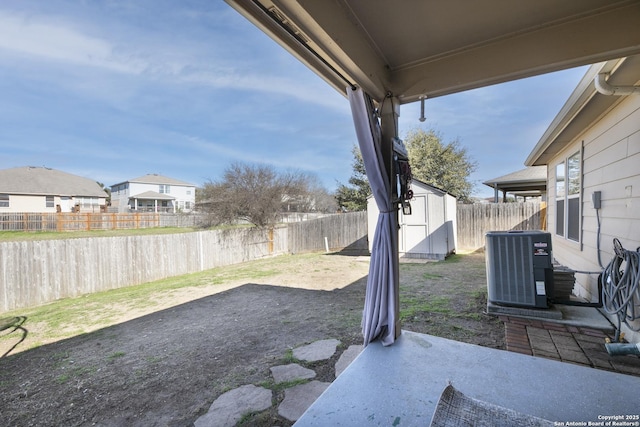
{"x": 5, "y": 200}
{"x": 568, "y": 197}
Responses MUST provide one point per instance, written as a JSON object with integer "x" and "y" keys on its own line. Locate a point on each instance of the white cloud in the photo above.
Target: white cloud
{"x": 47, "y": 41}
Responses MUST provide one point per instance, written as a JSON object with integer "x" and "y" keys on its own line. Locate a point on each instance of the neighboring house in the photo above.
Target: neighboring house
{"x": 529, "y": 182}
{"x": 41, "y": 189}
{"x": 592, "y": 154}
{"x": 430, "y": 231}
{"x": 153, "y": 193}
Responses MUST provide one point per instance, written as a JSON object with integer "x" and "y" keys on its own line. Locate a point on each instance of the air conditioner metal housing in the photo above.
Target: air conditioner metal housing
{"x": 519, "y": 268}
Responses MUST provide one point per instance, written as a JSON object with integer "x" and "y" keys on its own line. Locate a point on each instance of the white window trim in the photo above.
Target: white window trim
{"x": 566, "y": 197}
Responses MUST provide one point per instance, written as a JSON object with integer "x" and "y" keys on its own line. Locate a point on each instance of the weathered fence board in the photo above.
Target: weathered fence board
{"x": 37, "y": 272}
{"x": 84, "y": 221}
{"x": 474, "y": 221}
{"x": 339, "y": 232}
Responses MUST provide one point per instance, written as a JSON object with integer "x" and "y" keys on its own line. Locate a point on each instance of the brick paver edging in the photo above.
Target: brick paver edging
{"x": 567, "y": 343}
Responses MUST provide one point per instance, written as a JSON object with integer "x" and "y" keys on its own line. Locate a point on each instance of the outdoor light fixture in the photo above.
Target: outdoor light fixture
{"x": 422, "y": 98}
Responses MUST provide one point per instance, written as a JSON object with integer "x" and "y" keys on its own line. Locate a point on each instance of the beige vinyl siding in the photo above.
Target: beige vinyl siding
{"x": 611, "y": 165}
{"x": 28, "y": 203}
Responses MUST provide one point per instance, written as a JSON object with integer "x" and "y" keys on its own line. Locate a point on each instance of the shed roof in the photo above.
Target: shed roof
{"x": 46, "y": 181}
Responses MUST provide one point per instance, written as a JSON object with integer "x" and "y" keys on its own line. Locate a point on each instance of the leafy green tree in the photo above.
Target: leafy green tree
{"x": 446, "y": 166}
{"x": 353, "y": 197}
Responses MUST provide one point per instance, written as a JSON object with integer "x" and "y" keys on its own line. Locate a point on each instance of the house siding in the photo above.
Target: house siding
{"x": 25, "y": 203}
{"x": 611, "y": 165}
{"x": 38, "y": 204}
{"x": 120, "y": 198}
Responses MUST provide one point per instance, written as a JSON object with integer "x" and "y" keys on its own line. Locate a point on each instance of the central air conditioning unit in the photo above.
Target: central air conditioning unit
{"x": 519, "y": 268}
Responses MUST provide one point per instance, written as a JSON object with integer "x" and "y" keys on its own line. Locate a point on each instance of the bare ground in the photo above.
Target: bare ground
{"x": 165, "y": 365}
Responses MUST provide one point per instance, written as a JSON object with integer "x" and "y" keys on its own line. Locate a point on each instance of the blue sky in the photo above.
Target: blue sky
{"x": 113, "y": 90}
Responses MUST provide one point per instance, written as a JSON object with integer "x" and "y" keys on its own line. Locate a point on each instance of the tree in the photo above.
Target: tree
{"x": 257, "y": 194}
{"x": 106, "y": 190}
{"x": 354, "y": 197}
{"x": 446, "y": 166}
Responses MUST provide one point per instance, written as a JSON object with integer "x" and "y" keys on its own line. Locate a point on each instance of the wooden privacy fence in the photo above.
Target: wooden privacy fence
{"x": 346, "y": 232}
{"x": 85, "y": 221}
{"x": 36, "y": 272}
{"x": 474, "y": 221}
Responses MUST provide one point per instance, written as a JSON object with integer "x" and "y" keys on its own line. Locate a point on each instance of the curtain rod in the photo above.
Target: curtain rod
{"x": 290, "y": 31}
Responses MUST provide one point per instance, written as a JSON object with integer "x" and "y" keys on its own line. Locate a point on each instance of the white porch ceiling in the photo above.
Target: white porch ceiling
{"x": 414, "y": 48}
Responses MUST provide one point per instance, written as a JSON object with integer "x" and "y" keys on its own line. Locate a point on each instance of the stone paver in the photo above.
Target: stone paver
{"x": 297, "y": 399}
{"x": 229, "y": 408}
{"x": 318, "y": 350}
{"x": 347, "y": 357}
{"x": 291, "y": 372}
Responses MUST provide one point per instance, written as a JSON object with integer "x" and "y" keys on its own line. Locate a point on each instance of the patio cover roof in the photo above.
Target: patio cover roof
{"x": 414, "y": 49}
{"x": 152, "y": 195}
{"x": 531, "y": 181}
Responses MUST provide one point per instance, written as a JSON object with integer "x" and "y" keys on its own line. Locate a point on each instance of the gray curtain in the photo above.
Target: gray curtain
{"x": 379, "y": 316}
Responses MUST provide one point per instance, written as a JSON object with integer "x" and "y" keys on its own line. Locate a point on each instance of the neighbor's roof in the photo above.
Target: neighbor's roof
{"x": 47, "y": 181}
{"x": 152, "y": 195}
{"x": 531, "y": 181}
{"x": 154, "y": 178}
{"x": 530, "y": 176}
{"x": 584, "y": 107}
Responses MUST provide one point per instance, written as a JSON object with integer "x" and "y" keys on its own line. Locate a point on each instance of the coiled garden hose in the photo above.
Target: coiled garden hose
{"x": 620, "y": 287}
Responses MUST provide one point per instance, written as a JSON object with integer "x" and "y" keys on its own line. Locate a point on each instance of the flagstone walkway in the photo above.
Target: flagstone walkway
{"x": 229, "y": 408}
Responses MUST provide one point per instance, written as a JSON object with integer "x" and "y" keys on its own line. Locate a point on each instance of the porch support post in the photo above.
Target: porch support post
{"x": 389, "y": 113}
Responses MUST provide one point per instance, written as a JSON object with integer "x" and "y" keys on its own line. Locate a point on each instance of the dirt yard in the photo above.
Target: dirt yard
{"x": 164, "y": 364}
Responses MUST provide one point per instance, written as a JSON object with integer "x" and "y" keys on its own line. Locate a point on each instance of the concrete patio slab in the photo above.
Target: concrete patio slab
{"x": 402, "y": 383}
{"x": 291, "y": 372}
{"x": 229, "y": 408}
{"x": 318, "y": 350}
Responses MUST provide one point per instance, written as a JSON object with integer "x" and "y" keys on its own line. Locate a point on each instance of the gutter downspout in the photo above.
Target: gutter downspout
{"x": 606, "y": 89}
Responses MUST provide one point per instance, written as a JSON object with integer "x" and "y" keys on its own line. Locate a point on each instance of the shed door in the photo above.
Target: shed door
{"x": 414, "y": 230}
{"x": 438, "y": 233}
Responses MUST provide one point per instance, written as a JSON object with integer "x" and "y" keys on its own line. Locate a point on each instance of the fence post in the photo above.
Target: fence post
{"x": 270, "y": 242}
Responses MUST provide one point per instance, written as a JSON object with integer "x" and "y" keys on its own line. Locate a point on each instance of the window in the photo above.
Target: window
{"x": 164, "y": 189}
{"x": 4, "y": 200}
{"x": 568, "y": 190}
{"x": 49, "y": 201}
{"x": 87, "y": 202}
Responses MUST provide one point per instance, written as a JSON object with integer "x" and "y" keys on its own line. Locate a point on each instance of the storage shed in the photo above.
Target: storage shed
{"x": 430, "y": 231}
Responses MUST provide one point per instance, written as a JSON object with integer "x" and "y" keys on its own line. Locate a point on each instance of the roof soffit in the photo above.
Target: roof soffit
{"x": 584, "y": 107}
